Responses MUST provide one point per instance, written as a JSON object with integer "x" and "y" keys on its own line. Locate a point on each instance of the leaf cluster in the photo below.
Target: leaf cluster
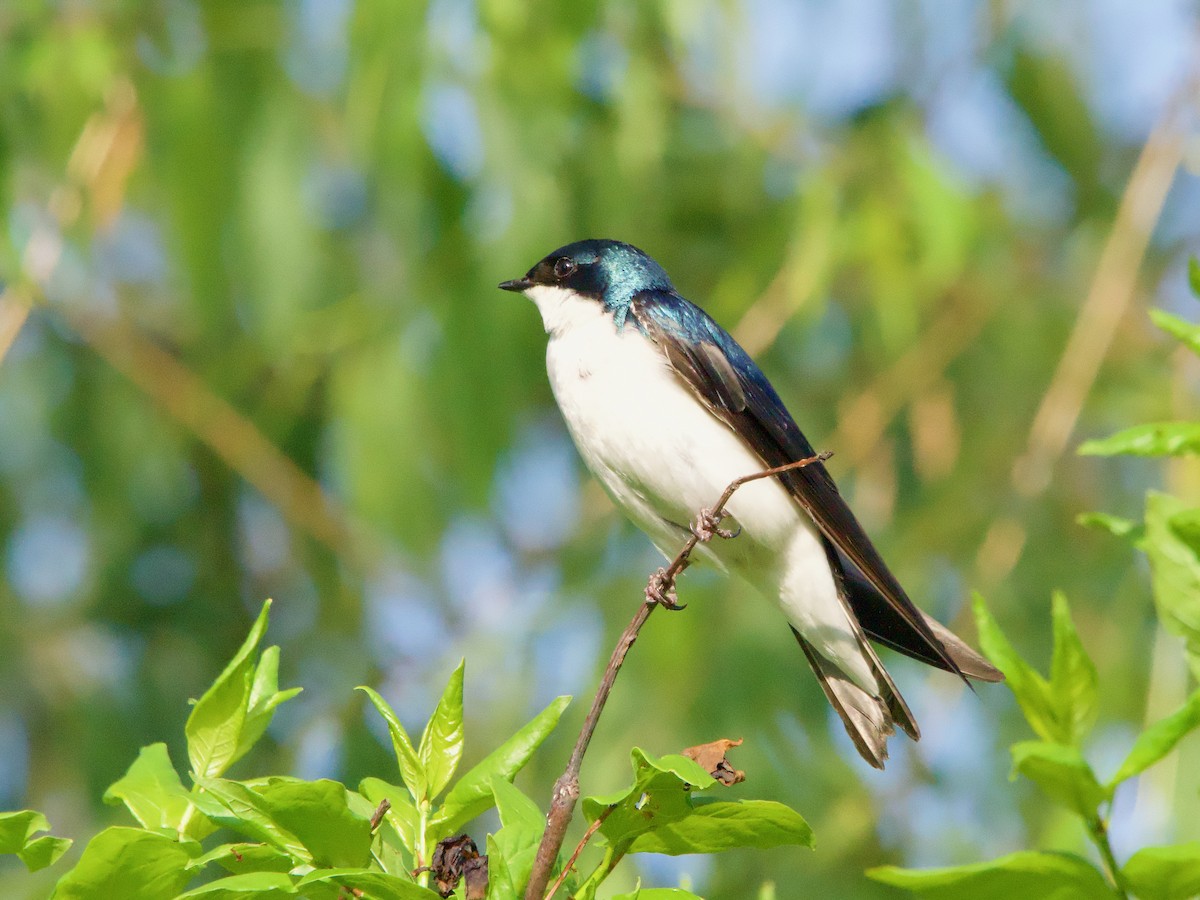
{"x": 1062, "y": 709}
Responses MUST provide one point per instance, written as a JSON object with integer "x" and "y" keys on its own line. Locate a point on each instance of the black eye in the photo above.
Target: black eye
{"x": 564, "y": 266}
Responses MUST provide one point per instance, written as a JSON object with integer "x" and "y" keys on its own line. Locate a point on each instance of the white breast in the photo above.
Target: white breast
{"x": 663, "y": 456}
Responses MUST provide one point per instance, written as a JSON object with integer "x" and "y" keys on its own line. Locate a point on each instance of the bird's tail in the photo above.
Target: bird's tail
{"x": 870, "y": 719}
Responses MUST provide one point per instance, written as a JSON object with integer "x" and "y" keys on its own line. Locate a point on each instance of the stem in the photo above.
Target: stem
{"x": 1098, "y": 830}
{"x": 566, "y": 789}
{"x": 587, "y": 836}
{"x": 422, "y": 860}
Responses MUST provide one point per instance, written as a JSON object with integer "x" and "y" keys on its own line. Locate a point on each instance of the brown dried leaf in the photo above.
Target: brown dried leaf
{"x": 454, "y": 858}
{"x": 711, "y": 758}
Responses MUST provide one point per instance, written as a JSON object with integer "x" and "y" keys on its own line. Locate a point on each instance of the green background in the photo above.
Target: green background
{"x": 252, "y": 346}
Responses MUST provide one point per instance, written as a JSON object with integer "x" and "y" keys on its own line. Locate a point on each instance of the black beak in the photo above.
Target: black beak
{"x": 517, "y": 284}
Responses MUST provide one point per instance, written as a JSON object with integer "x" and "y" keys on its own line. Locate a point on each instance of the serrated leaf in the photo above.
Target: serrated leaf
{"x": 1165, "y": 873}
{"x": 1153, "y": 439}
{"x": 412, "y": 773}
{"x": 713, "y": 826}
{"x": 251, "y": 886}
{"x": 129, "y": 863}
{"x": 1061, "y": 773}
{"x": 661, "y": 794}
{"x": 472, "y": 794}
{"x": 241, "y": 809}
{"x": 1073, "y": 678}
{"x": 152, "y": 792}
{"x": 1114, "y": 525}
{"x": 1158, "y": 740}
{"x": 1183, "y": 330}
{"x": 1046, "y": 876}
{"x": 442, "y": 741}
{"x": 1032, "y": 691}
{"x": 214, "y": 727}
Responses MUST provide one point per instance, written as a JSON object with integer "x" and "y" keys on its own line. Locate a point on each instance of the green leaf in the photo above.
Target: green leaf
{"x": 659, "y": 894}
{"x": 318, "y": 813}
{"x": 1045, "y": 876}
{"x": 17, "y": 827}
{"x": 516, "y": 843}
{"x": 43, "y": 851}
{"x": 217, "y": 721}
{"x": 472, "y": 794}
{"x": 243, "y": 858}
{"x": 252, "y": 886}
{"x": 411, "y": 770}
{"x": 265, "y": 696}
{"x": 1174, "y": 567}
{"x": 1154, "y": 439}
{"x": 1033, "y": 693}
{"x": 339, "y": 884}
{"x": 402, "y": 815}
{"x": 1158, "y": 740}
{"x": 1165, "y": 873}
{"x": 1194, "y": 276}
{"x": 1182, "y": 329}
{"x": 1073, "y": 677}
{"x": 128, "y": 863}
{"x": 152, "y": 792}
{"x": 661, "y": 794}
{"x": 442, "y": 742}
{"x": 242, "y": 809}
{"x": 16, "y": 836}
{"x": 1114, "y": 525}
{"x": 714, "y": 825}
{"x": 1062, "y": 774}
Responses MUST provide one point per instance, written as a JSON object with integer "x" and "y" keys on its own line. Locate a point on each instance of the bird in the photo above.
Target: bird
{"x": 666, "y": 410}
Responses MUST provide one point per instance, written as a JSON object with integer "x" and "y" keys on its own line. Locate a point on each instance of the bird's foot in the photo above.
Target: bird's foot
{"x": 708, "y": 524}
{"x": 660, "y": 589}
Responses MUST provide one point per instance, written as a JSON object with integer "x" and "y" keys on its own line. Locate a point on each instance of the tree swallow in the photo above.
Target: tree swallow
{"x": 666, "y": 410}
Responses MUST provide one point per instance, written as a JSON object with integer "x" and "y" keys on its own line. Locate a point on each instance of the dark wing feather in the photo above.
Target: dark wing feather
{"x": 729, "y": 382}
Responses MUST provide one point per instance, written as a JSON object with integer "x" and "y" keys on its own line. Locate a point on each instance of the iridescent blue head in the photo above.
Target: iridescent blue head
{"x": 610, "y": 272}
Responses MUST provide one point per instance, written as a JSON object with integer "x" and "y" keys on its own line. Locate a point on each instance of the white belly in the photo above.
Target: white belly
{"x": 663, "y": 456}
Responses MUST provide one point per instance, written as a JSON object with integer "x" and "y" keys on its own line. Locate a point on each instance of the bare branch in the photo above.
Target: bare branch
{"x": 566, "y": 790}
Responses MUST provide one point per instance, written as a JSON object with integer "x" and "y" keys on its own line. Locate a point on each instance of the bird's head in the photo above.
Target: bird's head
{"x": 610, "y": 273}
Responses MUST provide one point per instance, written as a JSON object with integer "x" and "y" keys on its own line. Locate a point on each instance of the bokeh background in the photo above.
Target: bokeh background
{"x": 251, "y": 346}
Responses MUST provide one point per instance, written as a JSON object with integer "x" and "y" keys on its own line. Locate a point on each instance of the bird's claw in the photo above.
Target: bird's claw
{"x": 708, "y": 525}
{"x": 661, "y": 590}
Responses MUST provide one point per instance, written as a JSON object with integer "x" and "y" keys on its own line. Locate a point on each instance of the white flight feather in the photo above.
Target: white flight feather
{"x": 662, "y": 457}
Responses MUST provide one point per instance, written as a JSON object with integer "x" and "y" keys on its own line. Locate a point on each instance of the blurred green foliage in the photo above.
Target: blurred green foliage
{"x": 258, "y": 232}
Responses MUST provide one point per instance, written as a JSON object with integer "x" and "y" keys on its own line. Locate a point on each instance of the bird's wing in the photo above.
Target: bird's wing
{"x": 724, "y": 377}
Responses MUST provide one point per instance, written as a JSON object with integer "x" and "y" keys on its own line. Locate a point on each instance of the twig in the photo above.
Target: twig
{"x": 1098, "y": 831}
{"x": 380, "y": 811}
{"x": 566, "y": 789}
{"x": 587, "y": 836}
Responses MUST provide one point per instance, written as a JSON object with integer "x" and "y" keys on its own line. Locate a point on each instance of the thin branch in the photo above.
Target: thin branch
{"x": 587, "y": 836}
{"x": 566, "y": 789}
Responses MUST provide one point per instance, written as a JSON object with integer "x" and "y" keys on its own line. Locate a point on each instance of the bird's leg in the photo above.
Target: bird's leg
{"x": 708, "y": 524}
{"x": 660, "y": 589}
